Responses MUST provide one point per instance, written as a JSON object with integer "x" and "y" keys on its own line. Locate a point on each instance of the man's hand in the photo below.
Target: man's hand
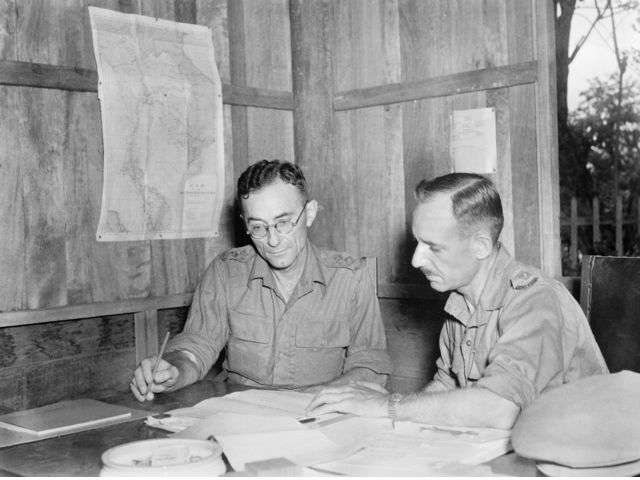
{"x": 144, "y": 385}
{"x": 366, "y": 399}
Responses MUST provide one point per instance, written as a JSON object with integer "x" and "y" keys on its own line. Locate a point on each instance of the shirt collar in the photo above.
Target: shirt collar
{"x": 312, "y": 273}
{"x": 493, "y": 294}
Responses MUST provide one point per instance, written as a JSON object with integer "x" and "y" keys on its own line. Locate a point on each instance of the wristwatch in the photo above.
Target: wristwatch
{"x": 394, "y": 399}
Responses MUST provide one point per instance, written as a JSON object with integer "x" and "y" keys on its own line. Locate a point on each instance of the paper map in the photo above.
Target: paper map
{"x": 161, "y": 102}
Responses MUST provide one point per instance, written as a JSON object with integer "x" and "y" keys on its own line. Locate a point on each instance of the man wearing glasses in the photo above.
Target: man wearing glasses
{"x": 290, "y": 314}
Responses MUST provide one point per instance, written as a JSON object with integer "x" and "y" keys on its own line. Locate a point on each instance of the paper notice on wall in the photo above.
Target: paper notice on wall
{"x": 161, "y": 102}
{"x": 473, "y": 140}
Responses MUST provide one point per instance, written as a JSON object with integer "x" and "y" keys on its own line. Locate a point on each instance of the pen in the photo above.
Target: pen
{"x": 306, "y": 419}
{"x": 160, "y": 353}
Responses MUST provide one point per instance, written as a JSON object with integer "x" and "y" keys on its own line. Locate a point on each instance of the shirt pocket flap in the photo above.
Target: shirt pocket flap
{"x": 249, "y": 327}
{"x": 322, "y": 334}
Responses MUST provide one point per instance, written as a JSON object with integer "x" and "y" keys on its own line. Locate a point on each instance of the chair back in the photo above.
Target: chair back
{"x": 610, "y": 298}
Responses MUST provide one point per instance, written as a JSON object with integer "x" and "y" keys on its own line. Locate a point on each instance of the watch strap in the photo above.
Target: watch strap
{"x": 392, "y": 404}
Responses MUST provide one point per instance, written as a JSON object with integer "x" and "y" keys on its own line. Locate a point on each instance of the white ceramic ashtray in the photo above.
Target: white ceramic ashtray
{"x": 163, "y": 457}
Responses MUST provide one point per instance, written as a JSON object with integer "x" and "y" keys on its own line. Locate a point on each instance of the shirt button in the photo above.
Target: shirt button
{"x": 468, "y": 343}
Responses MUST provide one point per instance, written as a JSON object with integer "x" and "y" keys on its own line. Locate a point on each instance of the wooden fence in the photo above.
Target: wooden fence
{"x": 596, "y": 221}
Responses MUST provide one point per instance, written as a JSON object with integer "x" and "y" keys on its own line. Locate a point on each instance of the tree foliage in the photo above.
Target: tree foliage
{"x": 601, "y": 128}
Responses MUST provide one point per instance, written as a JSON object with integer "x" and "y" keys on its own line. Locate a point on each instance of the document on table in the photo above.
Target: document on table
{"x": 249, "y": 438}
{"x": 252, "y": 402}
{"x": 410, "y": 448}
{"x": 256, "y": 425}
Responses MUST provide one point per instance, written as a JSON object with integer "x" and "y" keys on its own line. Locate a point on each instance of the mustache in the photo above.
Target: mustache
{"x": 426, "y": 272}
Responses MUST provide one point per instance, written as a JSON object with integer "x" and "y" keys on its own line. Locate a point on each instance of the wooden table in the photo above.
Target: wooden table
{"x": 79, "y": 454}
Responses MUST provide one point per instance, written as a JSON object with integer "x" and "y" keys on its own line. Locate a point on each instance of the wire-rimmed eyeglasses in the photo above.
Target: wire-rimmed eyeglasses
{"x": 284, "y": 226}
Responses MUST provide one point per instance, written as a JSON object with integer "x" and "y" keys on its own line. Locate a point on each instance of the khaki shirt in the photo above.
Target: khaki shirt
{"x": 330, "y": 325}
{"x": 528, "y": 334}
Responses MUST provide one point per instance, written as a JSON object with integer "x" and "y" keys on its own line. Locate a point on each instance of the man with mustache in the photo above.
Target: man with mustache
{"x": 290, "y": 314}
{"x": 510, "y": 334}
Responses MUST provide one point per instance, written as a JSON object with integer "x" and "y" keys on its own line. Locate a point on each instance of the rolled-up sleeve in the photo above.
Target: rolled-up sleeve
{"x": 368, "y": 343}
{"x": 528, "y": 355}
{"x": 443, "y": 373}
{"x": 207, "y": 330}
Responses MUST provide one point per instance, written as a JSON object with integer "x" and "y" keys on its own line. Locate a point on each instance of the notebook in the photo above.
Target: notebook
{"x": 63, "y": 416}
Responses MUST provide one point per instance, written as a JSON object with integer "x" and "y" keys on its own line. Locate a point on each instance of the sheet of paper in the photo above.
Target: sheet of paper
{"x": 473, "y": 140}
{"x": 161, "y": 105}
{"x": 276, "y": 403}
{"x": 304, "y": 447}
{"x": 260, "y": 402}
{"x": 418, "y": 449}
{"x": 239, "y": 423}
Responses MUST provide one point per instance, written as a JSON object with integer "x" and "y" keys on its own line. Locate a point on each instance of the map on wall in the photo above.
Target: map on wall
{"x": 161, "y": 102}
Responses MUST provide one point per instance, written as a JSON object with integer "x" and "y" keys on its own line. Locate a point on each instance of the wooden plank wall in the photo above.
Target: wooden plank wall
{"x": 51, "y": 164}
{"x": 428, "y": 54}
{"x": 358, "y": 93}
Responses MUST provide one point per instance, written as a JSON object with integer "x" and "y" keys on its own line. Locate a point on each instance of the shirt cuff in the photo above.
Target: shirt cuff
{"x": 375, "y": 360}
{"x": 510, "y": 385}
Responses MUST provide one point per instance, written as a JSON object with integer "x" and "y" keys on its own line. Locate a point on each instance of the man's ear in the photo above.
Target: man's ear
{"x": 312, "y": 211}
{"x": 482, "y": 244}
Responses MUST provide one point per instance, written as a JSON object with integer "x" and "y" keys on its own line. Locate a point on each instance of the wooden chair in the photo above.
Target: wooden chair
{"x": 610, "y": 298}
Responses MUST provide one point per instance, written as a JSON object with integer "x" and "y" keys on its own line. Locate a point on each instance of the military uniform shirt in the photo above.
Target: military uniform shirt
{"x": 526, "y": 335}
{"x": 330, "y": 325}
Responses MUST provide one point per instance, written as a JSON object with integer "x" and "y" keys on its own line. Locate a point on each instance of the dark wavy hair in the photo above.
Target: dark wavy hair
{"x": 474, "y": 199}
{"x": 266, "y": 172}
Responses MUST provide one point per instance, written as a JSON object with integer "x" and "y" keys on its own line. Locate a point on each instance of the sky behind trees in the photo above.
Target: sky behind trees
{"x": 597, "y": 58}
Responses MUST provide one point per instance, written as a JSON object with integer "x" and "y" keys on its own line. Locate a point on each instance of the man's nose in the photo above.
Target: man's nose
{"x": 273, "y": 236}
{"x": 419, "y": 256}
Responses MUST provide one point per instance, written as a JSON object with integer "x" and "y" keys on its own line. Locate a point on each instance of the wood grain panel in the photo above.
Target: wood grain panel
{"x": 7, "y": 30}
{"x": 367, "y": 52}
{"x": 270, "y": 135}
{"x": 13, "y": 285}
{"x": 39, "y": 38}
{"x": 425, "y": 40}
{"x": 41, "y": 364}
{"x": 312, "y": 30}
{"x": 451, "y": 84}
{"x": 519, "y": 25}
{"x": 85, "y": 376}
{"x": 546, "y": 116}
{"x": 41, "y": 141}
{"x": 216, "y": 15}
{"x": 82, "y": 145}
{"x": 524, "y": 182}
{"x": 466, "y": 27}
{"x": 268, "y": 65}
{"x": 412, "y": 328}
{"x": 33, "y": 344}
{"x": 175, "y": 264}
{"x": 499, "y": 99}
{"x": 267, "y": 44}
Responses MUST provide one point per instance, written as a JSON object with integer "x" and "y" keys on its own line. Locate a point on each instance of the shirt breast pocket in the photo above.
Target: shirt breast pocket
{"x": 249, "y": 346}
{"x": 322, "y": 334}
{"x": 321, "y": 347}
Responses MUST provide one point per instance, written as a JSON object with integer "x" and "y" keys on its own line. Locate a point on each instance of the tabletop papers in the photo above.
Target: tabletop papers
{"x": 408, "y": 448}
{"x": 257, "y": 425}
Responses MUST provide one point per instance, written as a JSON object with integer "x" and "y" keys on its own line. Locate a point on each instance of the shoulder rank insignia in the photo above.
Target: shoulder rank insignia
{"x": 341, "y": 259}
{"x": 240, "y": 254}
{"x": 524, "y": 280}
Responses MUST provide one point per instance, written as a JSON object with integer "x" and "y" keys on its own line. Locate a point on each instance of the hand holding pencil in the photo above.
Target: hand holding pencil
{"x": 153, "y": 375}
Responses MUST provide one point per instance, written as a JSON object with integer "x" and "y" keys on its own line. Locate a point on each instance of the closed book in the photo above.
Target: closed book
{"x": 63, "y": 416}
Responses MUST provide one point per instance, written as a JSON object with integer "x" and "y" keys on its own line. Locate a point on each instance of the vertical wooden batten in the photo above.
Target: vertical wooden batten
{"x": 312, "y": 34}
{"x": 547, "y": 140}
{"x": 146, "y": 334}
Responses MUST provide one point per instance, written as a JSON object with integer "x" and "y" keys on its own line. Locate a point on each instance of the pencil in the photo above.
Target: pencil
{"x": 160, "y": 353}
